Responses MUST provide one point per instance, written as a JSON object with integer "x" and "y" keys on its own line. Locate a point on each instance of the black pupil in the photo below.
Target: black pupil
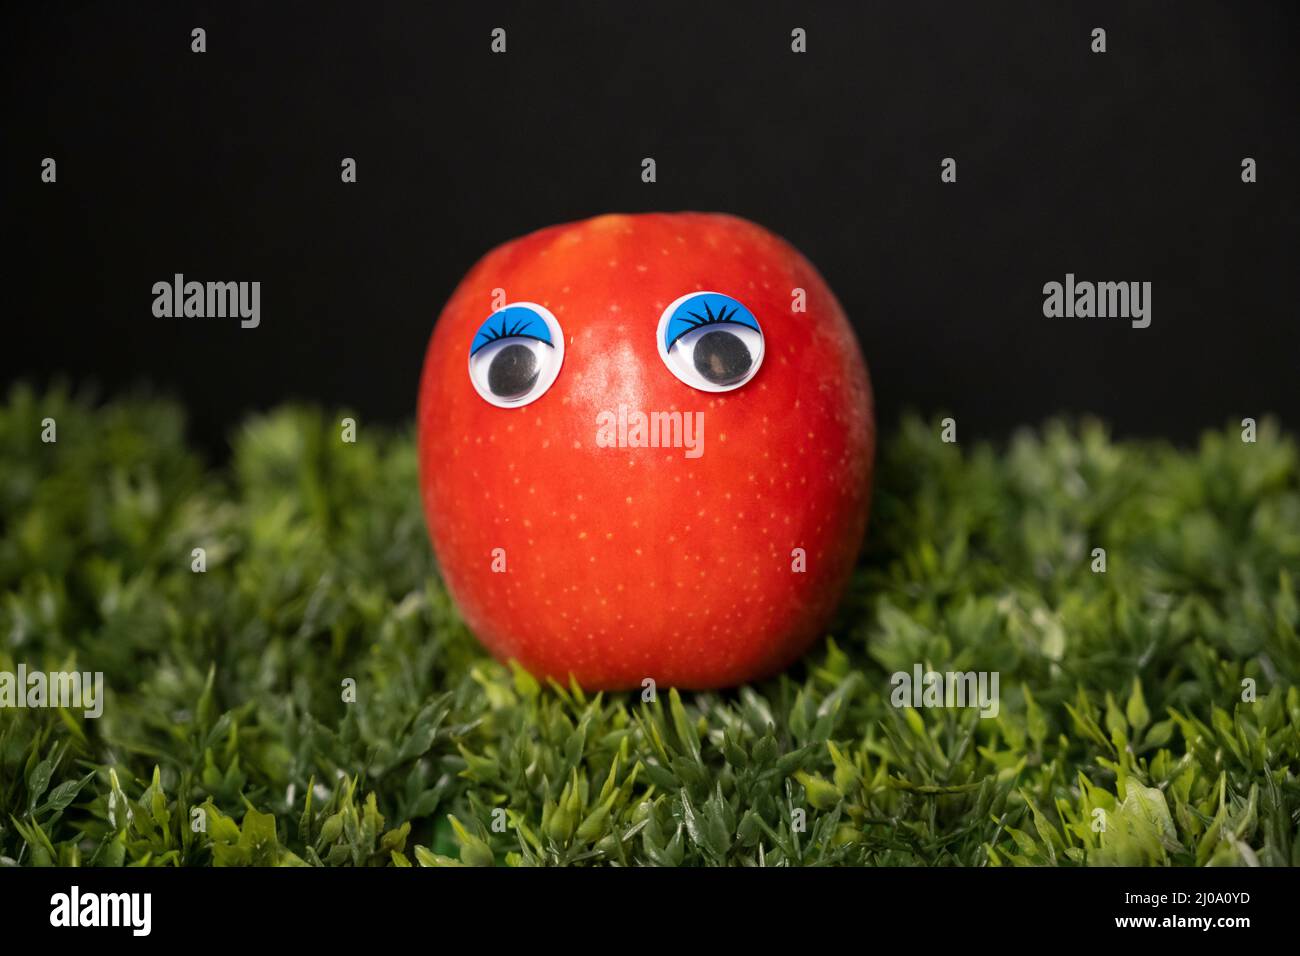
{"x": 721, "y": 357}
{"x": 513, "y": 371}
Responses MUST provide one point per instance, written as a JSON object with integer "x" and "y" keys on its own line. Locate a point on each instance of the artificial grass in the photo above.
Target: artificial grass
{"x": 1120, "y": 691}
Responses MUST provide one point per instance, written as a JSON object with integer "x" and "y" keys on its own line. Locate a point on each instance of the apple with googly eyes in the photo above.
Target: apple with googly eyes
{"x": 645, "y": 449}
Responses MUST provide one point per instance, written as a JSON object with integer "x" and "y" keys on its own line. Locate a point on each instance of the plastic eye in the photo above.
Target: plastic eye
{"x": 516, "y": 354}
{"x": 710, "y": 341}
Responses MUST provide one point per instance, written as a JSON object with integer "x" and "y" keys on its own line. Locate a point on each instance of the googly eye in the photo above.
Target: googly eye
{"x": 710, "y": 341}
{"x": 516, "y": 354}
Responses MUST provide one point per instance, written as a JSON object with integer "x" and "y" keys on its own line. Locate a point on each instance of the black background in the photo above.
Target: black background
{"x": 225, "y": 166}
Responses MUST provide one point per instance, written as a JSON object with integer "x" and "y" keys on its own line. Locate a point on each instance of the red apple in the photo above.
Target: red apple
{"x": 572, "y": 544}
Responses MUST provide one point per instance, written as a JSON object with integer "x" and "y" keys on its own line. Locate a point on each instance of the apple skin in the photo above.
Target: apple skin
{"x": 630, "y": 563}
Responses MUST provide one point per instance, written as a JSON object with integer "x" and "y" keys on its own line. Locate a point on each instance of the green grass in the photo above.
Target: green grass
{"x": 1121, "y": 692}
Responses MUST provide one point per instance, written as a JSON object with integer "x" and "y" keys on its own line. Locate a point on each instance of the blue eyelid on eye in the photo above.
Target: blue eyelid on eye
{"x": 514, "y": 321}
{"x": 706, "y": 308}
